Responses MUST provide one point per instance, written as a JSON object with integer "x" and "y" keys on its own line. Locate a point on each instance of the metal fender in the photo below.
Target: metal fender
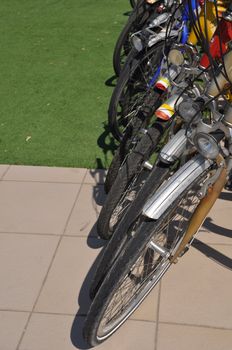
{"x": 175, "y": 186}
{"x": 162, "y": 36}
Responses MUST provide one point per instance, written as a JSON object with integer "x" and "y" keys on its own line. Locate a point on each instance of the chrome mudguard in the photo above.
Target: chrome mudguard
{"x": 175, "y": 186}
{"x": 161, "y": 36}
{"x": 174, "y": 148}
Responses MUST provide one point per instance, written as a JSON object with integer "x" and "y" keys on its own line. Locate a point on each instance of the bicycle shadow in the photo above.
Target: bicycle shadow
{"x": 215, "y": 229}
{"x": 84, "y": 301}
{"x": 111, "y": 82}
{"x": 108, "y": 145}
{"x": 227, "y": 196}
{"x": 213, "y": 254}
{"x": 94, "y": 242}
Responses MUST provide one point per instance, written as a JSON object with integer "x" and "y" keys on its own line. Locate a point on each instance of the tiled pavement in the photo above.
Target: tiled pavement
{"x": 48, "y": 247}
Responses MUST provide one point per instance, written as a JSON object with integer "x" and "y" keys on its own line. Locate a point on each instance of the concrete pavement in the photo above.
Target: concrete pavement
{"x": 48, "y": 251}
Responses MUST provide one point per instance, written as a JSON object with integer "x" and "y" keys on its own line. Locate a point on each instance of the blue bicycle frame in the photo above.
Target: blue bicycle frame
{"x": 185, "y": 33}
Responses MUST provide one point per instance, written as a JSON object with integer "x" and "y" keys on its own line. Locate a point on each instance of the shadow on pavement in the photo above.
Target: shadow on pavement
{"x": 83, "y": 298}
{"x": 95, "y": 242}
{"x": 108, "y": 146}
{"x": 227, "y": 196}
{"x": 98, "y": 174}
{"x": 76, "y": 333}
{"x": 84, "y": 302}
{"x": 214, "y": 228}
{"x": 213, "y": 254}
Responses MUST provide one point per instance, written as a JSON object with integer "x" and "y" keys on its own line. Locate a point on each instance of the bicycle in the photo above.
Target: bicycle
{"x": 157, "y": 230}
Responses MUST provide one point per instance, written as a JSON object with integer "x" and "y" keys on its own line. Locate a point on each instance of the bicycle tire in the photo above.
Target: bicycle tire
{"x": 110, "y": 253}
{"x": 132, "y": 87}
{"x": 121, "y": 152}
{"x": 131, "y": 136}
{"x": 133, "y": 3}
{"x": 113, "y": 170}
{"x": 131, "y": 168}
{"x": 126, "y": 270}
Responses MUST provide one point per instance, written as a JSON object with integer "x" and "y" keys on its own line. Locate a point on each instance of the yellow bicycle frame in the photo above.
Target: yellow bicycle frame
{"x": 209, "y": 22}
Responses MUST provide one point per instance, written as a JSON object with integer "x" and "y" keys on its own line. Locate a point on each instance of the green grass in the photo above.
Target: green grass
{"x": 55, "y": 58}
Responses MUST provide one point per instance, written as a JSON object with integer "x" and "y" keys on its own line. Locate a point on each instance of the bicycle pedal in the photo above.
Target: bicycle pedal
{"x": 143, "y": 131}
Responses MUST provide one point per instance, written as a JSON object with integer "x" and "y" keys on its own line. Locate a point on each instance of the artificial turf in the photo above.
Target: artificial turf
{"x": 55, "y": 58}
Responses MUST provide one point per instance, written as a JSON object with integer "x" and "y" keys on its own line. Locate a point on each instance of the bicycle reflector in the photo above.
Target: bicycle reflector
{"x": 206, "y": 145}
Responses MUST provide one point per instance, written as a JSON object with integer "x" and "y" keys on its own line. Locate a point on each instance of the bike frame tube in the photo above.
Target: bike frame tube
{"x": 202, "y": 210}
{"x": 220, "y": 40}
{"x": 186, "y": 18}
{"x": 184, "y": 37}
{"x": 208, "y": 24}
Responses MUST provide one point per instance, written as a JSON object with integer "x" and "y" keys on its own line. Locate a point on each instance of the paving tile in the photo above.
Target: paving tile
{"x": 45, "y": 174}
{"x": 147, "y": 311}
{"x": 56, "y": 329}
{"x": 197, "y": 290}
{"x": 24, "y": 261}
{"x": 86, "y": 211}
{"x": 95, "y": 176}
{"x": 3, "y": 169}
{"x": 72, "y": 263}
{"x": 178, "y": 337}
{"x": 35, "y": 207}
{"x": 11, "y": 328}
{"x": 68, "y": 281}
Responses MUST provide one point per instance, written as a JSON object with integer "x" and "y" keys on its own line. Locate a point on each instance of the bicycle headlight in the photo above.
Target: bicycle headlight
{"x": 189, "y": 109}
{"x": 183, "y": 54}
{"x": 137, "y": 42}
{"x": 206, "y": 145}
{"x": 176, "y": 57}
{"x": 141, "y": 39}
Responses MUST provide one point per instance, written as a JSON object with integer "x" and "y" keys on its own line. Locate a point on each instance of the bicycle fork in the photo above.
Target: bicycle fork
{"x": 201, "y": 212}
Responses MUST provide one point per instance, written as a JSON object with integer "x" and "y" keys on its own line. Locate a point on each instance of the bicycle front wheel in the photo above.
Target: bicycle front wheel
{"x": 129, "y": 180}
{"x": 132, "y": 88}
{"x": 139, "y": 267}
